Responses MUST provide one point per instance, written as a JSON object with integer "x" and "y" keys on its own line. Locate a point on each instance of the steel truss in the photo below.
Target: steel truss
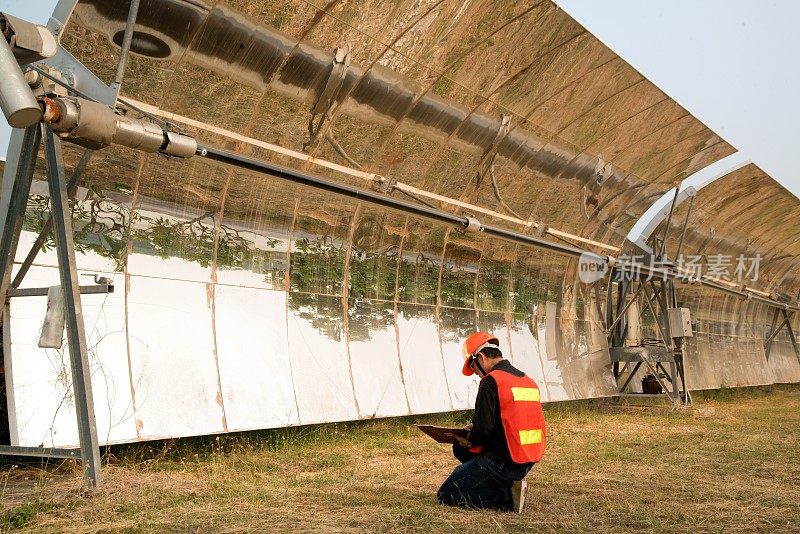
{"x": 773, "y": 331}
{"x": 18, "y": 185}
{"x": 637, "y": 293}
{"x": 628, "y": 301}
{"x": 22, "y": 154}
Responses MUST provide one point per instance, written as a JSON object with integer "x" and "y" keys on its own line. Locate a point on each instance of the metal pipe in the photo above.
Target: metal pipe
{"x": 750, "y": 294}
{"x": 462, "y": 222}
{"x": 404, "y": 188}
{"x": 95, "y": 125}
{"x": 237, "y": 160}
{"x": 663, "y": 247}
{"x": 685, "y": 226}
{"x": 16, "y": 98}
{"x": 127, "y": 38}
{"x": 541, "y": 243}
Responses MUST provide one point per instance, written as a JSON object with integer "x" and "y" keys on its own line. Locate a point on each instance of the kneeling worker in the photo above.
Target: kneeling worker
{"x": 506, "y": 437}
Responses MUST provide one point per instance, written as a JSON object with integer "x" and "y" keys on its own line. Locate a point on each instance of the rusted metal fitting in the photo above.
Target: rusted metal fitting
{"x": 51, "y": 111}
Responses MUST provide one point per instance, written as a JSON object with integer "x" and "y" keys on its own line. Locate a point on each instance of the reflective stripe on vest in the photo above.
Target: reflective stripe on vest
{"x": 521, "y": 415}
{"x": 525, "y": 394}
{"x": 527, "y": 437}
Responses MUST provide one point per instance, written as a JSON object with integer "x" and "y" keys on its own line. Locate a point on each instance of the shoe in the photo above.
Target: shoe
{"x": 518, "y": 489}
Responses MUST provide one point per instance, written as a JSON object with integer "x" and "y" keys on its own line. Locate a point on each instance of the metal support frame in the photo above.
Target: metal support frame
{"x": 16, "y": 188}
{"x": 685, "y": 226}
{"x": 791, "y": 335}
{"x": 669, "y": 221}
{"x": 40, "y": 452}
{"x": 47, "y": 227}
{"x": 17, "y": 180}
{"x": 663, "y": 358}
{"x": 61, "y": 13}
{"x": 100, "y": 289}
{"x": 76, "y": 337}
{"x": 787, "y": 323}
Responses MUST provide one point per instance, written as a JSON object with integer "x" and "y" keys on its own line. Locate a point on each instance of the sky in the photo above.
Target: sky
{"x": 731, "y": 63}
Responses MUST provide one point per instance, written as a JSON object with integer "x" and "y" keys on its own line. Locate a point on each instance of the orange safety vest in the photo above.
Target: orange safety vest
{"x": 522, "y": 416}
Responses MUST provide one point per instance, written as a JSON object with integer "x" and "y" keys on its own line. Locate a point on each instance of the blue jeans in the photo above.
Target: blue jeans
{"x": 481, "y": 482}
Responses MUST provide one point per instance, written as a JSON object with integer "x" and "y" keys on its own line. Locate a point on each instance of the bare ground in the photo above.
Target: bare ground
{"x": 731, "y": 463}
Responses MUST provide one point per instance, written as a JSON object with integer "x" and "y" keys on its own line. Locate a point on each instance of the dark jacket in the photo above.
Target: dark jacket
{"x": 487, "y": 428}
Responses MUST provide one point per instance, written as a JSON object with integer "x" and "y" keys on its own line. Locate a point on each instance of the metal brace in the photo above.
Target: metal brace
{"x": 384, "y": 184}
{"x": 326, "y": 103}
{"x": 487, "y": 161}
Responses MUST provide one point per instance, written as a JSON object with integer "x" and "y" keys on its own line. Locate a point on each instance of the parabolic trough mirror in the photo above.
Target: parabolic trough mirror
{"x": 245, "y": 302}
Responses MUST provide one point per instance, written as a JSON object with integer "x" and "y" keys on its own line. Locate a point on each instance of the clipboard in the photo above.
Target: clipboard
{"x": 441, "y": 434}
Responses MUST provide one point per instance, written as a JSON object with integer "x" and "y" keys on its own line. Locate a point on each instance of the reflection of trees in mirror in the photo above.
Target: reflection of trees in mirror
{"x": 99, "y": 226}
{"x": 456, "y": 324}
{"x": 527, "y": 291}
{"x": 458, "y": 287}
{"x": 102, "y": 226}
{"x": 372, "y": 273}
{"x": 491, "y": 322}
{"x": 493, "y": 286}
{"x": 365, "y": 317}
{"x": 323, "y": 312}
{"x": 193, "y": 240}
{"x": 418, "y": 280}
{"x": 317, "y": 265}
{"x": 190, "y": 240}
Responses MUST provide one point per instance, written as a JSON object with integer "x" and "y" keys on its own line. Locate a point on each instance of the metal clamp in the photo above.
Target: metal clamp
{"x": 473, "y": 225}
{"x": 384, "y": 184}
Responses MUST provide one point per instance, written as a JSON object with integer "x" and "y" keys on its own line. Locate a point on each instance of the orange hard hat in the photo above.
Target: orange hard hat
{"x": 473, "y": 345}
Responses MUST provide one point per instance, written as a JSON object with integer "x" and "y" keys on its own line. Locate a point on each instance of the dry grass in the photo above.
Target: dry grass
{"x": 729, "y": 464}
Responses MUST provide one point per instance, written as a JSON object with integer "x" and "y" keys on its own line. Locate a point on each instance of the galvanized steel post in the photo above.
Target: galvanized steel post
{"x": 78, "y": 355}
